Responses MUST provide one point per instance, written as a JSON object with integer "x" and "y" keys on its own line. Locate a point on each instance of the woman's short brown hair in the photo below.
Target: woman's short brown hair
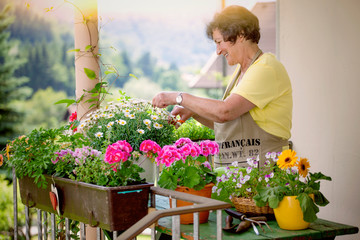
{"x": 235, "y": 21}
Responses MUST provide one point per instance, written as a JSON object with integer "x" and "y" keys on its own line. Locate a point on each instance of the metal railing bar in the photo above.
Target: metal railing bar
{"x": 218, "y": 224}
{"x": 82, "y": 231}
{"x": 98, "y": 233}
{"x": 27, "y": 223}
{"x": 53, "y": 227}
{"x": 115, "y": 234}
{"x": 15, "y": 205}
{"x": 204, "y": 204}
{"x": 39, "y": 223}
{"x": 175, "y": 222}
{"x": 196, "y": 226}
{"x": 45, "y": 225}
{"x": 67, "y": 229}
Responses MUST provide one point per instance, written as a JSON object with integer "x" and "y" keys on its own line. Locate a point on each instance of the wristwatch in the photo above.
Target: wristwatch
{"x": 179, "y": 99}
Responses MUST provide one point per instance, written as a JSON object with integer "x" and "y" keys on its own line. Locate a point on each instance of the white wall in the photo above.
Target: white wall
{"x": 319, "y": 44}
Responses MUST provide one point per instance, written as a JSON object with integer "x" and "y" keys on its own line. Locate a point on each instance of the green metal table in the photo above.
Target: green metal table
{"x": 320, "y": 229}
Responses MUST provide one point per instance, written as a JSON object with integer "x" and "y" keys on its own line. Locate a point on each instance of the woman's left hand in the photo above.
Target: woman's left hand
{"x": 164, "y": 99}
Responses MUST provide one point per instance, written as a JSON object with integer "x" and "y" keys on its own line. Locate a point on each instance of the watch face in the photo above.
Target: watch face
{"x": 179, "y": 99}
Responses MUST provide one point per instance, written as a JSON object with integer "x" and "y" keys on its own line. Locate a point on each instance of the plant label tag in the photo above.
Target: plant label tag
{"x": 54, "y": 198}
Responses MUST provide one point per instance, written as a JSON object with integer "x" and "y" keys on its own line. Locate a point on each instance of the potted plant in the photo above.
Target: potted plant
{"x": 292, "y": 182}
{"x": 186, "y": 168}
{"x": 97, "y": 156}
{"x": 238, "y": 185}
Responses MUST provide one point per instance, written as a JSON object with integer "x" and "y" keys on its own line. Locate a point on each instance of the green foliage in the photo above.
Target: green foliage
{"x": 194, "y": 130}
{"x": 100, "y": 173}
{"x": 7, "y": 209}
{"x": 32, "y": 155}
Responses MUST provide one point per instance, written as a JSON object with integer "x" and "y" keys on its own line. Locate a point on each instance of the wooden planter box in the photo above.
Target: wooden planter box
{"x": 110, "y": 208}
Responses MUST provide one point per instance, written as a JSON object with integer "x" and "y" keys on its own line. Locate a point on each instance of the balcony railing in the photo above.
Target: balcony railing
{"x": 200, "y": 204}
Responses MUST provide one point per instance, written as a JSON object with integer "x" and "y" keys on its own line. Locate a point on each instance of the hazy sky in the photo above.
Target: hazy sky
{"x": 199, "y": 9}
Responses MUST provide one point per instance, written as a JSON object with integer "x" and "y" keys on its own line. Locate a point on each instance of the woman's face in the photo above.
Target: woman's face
{"x": 228, "y": 49}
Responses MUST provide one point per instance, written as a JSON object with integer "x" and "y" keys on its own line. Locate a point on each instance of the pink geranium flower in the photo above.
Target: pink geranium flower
{"x": 209, "y": 148}
{"x": 149, "y": 146}
{"x": 118, "y": 152}
{"x": 168, "y": 155}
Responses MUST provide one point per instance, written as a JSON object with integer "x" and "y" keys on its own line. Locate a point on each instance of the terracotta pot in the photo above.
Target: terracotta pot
{"x": 289, "y": 215}
{"x": 91, "y": 204}
{"x": 189, "y": 217}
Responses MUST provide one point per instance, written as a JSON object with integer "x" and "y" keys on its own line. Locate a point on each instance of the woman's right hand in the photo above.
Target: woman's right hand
{"x": 184, "y": 113}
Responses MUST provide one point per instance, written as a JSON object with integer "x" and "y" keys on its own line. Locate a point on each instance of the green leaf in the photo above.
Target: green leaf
{"x": 91, "y": 100}
{"x": 191, "y": 177}
{"x": 67, "y": 101}
{"x": 132, "y": 75}
{"x": 90, "y": 73}
{"x": 308, "y": 207}
{"x": 88, "y": 47}
{"x": 320, "y": 199}
{"x": 167, "y": 180}
{"x": 74, "y": 50}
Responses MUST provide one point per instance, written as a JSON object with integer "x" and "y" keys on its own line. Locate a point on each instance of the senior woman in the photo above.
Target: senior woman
{"x": 255, "y": 115}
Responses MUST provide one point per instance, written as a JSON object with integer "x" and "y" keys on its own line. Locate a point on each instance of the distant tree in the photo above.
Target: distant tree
{"x": 126, "y": 61}
{"x": 10, "y": 86}
{"x": 40, "y": 110}
{"x": 147, "y": 64}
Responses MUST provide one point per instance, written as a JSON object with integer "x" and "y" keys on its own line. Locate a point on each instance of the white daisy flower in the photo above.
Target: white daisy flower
{"x": 110, "y": 124}
{"x": 147, "y": 122}
{"x": 121, "y": 122}
{"x": 140, "y": 131}
{"x": 111, "y": 115}
{"x": 158, "y": 125}
{"x": 98, "y": 134}
{"x": 154, "y": 117}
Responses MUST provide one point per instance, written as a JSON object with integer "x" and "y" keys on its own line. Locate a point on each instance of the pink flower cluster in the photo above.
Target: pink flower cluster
{"x": 118, "y": 152}
{"x": 150, "y": 148}
{"x": 168, "y": 155}
{"x": 183, "y": 148}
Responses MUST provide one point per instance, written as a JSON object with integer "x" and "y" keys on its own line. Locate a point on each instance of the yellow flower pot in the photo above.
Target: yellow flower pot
{"x": 289, "y": 215}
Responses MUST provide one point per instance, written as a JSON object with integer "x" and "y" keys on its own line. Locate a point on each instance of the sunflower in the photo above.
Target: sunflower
{"x": 287, "y": 159}
{"x": 303, "y": 167}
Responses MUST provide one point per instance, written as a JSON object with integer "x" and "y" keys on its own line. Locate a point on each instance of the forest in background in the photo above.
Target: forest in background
{"x": 46, "y": 67}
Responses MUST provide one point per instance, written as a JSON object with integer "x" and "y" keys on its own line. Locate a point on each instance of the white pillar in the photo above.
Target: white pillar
{"x": 86, "y": 33}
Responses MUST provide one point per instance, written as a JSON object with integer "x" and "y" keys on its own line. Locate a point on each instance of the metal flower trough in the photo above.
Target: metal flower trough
{"x": 110, "y": 208}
